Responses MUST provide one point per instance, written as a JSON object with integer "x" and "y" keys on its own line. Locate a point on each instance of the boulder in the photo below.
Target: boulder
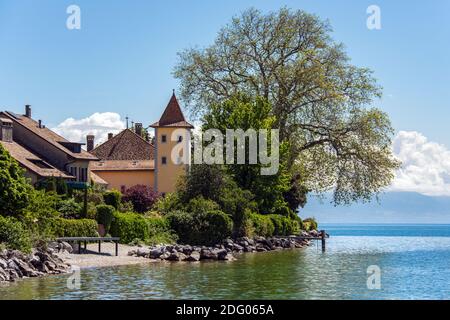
{"x": 208, "y": 254}
{"x": 143, "y": 252}
{"x": 193, "y": 257}
{"x": 65, "y": 246}
{"x": 177, "y": 256}
{"x": 155, "y": 253}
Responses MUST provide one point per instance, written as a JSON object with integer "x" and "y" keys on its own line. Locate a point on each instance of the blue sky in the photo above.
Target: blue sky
{"x": 122, "y": 59}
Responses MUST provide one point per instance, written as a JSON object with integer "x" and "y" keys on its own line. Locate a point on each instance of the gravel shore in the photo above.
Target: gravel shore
{"x": 107, "y": 258}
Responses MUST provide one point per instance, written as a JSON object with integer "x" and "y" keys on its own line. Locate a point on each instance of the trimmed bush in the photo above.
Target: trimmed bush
{"x": 74, "y": 228}
{"x": 112, "y": 198}
{"x": 13, "y": 235}
{"x": 105, "y": 216}
{"x": 69, "y": 208}
{"x": 284, "y": 226}
{"x": 132, "y": 226}
{"x": 200, "y": 228}
{"x": 262, "y": 225}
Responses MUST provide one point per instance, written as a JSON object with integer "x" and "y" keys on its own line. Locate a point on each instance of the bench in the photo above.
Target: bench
{"x": 85, "y": 240}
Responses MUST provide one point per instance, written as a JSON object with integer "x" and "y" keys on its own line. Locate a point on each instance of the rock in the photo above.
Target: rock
{"x": 155, "y": 253}
{"x": 177, "y": 256}
{"x": 164, "y": 256}
{"x": 193, "y": 257}
{"x": 238, "y": 248}
{"x": 3, "y": 264}
{"x": 65, "y": 246}
{"x": 143, "y": 252}
{"x": 53, "y": 244}
{"x": 229, "y": 257}
{"x": 221, "y": 254}
{"x": 208, "y": 254}
{"x": 187, "y": 250}
{"x": 132, "y": 253}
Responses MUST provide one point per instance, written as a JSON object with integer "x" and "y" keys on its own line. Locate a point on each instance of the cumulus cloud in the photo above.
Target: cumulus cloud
{"x": 98, "y": 124}
{"x": 425, "y": 165}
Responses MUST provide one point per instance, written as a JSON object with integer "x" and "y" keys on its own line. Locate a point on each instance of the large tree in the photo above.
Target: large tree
{"x": 322, "y": 103}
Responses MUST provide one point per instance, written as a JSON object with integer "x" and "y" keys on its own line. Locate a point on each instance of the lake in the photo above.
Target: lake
{"x": 414, "y": 261}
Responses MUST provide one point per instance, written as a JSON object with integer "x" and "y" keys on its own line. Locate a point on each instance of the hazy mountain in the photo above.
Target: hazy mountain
{"x": 392, "y": 207}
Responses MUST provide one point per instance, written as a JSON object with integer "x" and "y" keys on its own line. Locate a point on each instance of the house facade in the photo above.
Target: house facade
{"x": 42, "y": 152}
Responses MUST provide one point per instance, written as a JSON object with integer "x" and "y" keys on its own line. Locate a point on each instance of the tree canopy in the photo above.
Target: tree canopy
{"x": 14, "y": 189}
{"x": 322, "y": 104}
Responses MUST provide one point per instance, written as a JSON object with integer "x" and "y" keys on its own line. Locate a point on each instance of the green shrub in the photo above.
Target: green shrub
{"x": 310, "y": 224}
{"x": 13, "y": 235}
{"x": 284, "y": 226}
{"x": 200, "y": 205}
{"x": 69, "y": 208}
{"x": 201, "y": 228}
{"x": 262, "y": 225}
{"x": 169, "y": 203}
{"x": 112, "y": 198}
{"x": 74, "y": 228}
{"x": 105, "y": 216}
{"x": 136, "y": 227}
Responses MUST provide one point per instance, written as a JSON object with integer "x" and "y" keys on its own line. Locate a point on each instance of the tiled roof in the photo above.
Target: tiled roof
{"x": 48, "y": 135}
{"x": 120, "y": 165}
{"x": 173, "y": 116}
{"x": 32, "y": 162}
{"x": 126, "y": 145}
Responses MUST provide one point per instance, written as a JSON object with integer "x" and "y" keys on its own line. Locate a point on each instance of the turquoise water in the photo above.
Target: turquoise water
{"x": 414, "y": 263}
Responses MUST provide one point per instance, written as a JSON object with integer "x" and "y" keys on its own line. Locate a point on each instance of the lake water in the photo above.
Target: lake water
{"x": 414, "y": 263}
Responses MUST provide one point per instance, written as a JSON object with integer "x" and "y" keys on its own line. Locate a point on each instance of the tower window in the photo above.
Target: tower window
{"x": 180, "y": 139}
{"x": 163, "y": 138}
{"x": 164, "y": 160}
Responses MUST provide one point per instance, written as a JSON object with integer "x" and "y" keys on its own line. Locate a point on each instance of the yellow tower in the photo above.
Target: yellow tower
{"x": 171, "y": 131}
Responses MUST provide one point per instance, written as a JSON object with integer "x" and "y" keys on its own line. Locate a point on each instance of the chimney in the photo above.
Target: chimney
{"x": 90, "y": 142}
{"x": 40, "y": 124}
{"x": 28, "y": 111}
{"x": 110, "y": 136}
{"x": 138, "y": 129}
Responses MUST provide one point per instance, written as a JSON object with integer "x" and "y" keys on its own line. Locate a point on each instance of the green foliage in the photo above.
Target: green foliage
{"x": 246, "y": 113}
{"x": 310, "y": 224}
{"x": 206, "y": 228}
{"x": 284, "y": 226}
{"x": 262, "y": 225}
{"x": 105, "y": 216}
{"x": 112, "y": 198}
{"x": 132, "y": 226}
{"x": 170, "y": 202}
{"x": 202, "y": 180}
{"x": 74, "y": 228}
{"x": 126, "y": 206}
{"x": 14, "y": 235}
{"x": 69, "y": 208}
{"x": 14, "y": 188}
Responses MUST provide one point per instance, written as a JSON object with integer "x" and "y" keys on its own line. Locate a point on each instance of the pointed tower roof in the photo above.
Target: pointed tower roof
{"x": 173, "y": 116}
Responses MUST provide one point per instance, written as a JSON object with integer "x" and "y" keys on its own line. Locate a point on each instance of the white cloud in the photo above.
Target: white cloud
{"x": 425, "y": 165}
{"x": 98, "y": 124}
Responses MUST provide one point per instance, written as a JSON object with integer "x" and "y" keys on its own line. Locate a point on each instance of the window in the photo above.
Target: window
{"x": 163, "y": 138}
{"x": 164, "y": 160}
{"x": 180, "y": 139}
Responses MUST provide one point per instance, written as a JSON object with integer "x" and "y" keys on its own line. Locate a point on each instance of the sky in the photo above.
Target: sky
{"x": 120, "y": 64}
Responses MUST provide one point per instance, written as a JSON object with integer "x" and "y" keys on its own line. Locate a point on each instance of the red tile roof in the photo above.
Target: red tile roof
{"x": 33, "y": 162}
{"x": 48, "y": 135}
{"x": 126, "y": 145}
{"x": 173, "y": 116}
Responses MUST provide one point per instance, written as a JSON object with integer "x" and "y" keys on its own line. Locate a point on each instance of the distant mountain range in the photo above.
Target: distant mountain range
{"x": 392, "y": 207}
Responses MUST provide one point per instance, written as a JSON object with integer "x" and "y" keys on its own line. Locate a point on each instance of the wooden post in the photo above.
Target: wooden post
{"x": 99, "y": 246}
{"x": 323, "y": 240}
{"x": 117, "y": 248}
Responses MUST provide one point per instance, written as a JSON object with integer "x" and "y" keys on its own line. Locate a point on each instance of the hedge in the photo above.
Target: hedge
{"x": 13, "y": 234}
{"x": 74, "y": 228}
{"x": 274, "y": 225}
{"x": 132, "y": 226}
{"x": 207, "y": 228}
{"x": 310, "y": 224}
